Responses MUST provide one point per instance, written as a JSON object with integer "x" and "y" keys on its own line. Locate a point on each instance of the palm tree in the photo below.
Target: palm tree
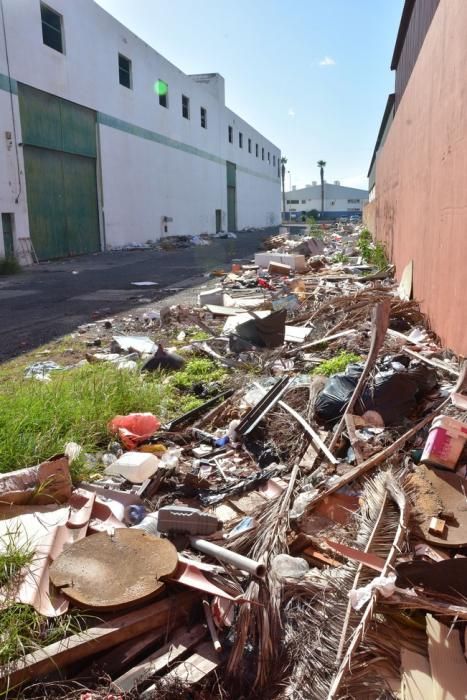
{"x": 283, "y": 162}
{"x": 321, "y": 165}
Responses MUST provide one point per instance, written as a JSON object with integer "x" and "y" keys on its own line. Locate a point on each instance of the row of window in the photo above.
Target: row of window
{"x": 240, "y": 145}
{"x": 304, "y": 201}
{"x": 52, "y": 36}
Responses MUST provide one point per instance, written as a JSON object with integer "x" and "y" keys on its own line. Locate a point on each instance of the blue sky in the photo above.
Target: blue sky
{"x": 311, "y": 75}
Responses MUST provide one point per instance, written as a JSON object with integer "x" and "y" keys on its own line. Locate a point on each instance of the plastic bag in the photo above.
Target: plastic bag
{"x": 393, "y": 395}
{"x": 134, "y": 428}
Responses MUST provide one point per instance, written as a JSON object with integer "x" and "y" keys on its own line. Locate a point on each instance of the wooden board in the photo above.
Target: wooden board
{"x": 181, "y": 642}
{"x": 97, "y": 639}
{"x": 417, "y": 683}
{"x": 448, "y": 666}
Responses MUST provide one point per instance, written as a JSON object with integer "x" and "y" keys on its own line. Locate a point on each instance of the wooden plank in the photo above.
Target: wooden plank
{"x": 417, "y": 683}
{"x": 97, "y": 639}
{"x": 121, "y": 657}
{"x": 197, "y": 666}
{"x": 448, "y": 667}
{"x": 181, "y": 642}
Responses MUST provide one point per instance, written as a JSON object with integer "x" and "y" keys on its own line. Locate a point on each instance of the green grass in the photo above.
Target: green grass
{"x": 336, "y": 364}
{"x": 372, "y": 253}
{"x": 9, "y": 266}
{"x": 37, "y": 419}
{"x": 23, "y": 630}
{"x": 199, "y": 370}
{"x": 340, "y": 258}
{"x": 12, "y": 558}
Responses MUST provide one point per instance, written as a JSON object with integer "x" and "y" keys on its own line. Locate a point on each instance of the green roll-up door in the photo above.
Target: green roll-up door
{"x": 231, "y": 196}
{"x": 46, "y": 202}
{"x": 79, "y": 176}
{"x": 60, "y": 151}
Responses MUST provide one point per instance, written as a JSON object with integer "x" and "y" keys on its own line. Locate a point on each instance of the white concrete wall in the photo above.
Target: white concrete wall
{"x": 336, "y": 198}
{"x": 143, "y": 180}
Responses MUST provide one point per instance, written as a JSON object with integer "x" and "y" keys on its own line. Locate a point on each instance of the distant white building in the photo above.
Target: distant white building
{"x": 338, "y": 200}
{"x": 104, "y": 142}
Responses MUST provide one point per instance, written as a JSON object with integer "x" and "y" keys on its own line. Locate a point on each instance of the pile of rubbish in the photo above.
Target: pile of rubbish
{"x": 302, "y": 534}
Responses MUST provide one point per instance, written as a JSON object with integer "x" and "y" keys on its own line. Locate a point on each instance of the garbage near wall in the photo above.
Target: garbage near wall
{"x": 301, "y": 534}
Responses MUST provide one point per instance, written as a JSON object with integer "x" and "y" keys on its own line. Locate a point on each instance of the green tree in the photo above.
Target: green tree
{"x": 321, "y": 165}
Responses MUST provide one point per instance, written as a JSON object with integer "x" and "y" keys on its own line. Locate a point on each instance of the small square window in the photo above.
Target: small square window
{"x": 249, "y": 145}
{"x": 262, "y": 154}
{"x": 204, "y": 117}
{"x": 185, "y": 107}
{"x": 230, "y": 134}
{"x": 124, "y": 71}
{"x": 240, "y": 139}
{"x": 51, "y": 28}
{"x": 162, "y": 90}
{"x": 257, "y": 150}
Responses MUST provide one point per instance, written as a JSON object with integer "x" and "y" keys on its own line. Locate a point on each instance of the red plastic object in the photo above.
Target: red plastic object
{"x": 134, "y": 428}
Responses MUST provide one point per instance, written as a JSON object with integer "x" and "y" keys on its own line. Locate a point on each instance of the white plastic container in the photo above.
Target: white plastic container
{"x": 134, "y": 466}
{"x": 445, "y": 442}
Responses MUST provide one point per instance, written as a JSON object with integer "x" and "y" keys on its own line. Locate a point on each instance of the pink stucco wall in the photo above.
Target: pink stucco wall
{"x": 421, "y": 177}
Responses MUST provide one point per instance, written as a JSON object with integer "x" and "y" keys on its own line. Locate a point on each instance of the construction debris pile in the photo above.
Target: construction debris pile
{"x": 302, "y": 534}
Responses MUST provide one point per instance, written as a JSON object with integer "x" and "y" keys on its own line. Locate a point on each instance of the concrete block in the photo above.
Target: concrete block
{"x": 296, "y": 262}
{"x": 211, "y": 296}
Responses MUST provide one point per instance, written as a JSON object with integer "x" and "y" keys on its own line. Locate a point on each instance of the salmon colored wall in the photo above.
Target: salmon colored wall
{"x": 369, "y": 216}
{"x": 421, "y": 177}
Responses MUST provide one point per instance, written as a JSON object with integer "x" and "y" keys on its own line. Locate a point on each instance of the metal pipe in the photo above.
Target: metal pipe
{"x": 237, "y": 560}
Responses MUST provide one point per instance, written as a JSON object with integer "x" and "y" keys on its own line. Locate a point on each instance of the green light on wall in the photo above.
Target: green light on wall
{"x": 161, "y": 88}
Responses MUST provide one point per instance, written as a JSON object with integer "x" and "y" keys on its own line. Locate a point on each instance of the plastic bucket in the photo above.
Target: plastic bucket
{"x": 445, "y": 442}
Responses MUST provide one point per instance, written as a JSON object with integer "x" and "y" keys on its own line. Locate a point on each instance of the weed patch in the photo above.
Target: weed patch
{"x": 372, "y": 253}
{"x": 9, "y": 266}
{"x": 336, "y": 364}
{"x": 38, "y": 419}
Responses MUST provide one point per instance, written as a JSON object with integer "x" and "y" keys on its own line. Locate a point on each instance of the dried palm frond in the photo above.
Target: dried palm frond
{"x": 259, "y": 623}
{"x": 319, "y": 622}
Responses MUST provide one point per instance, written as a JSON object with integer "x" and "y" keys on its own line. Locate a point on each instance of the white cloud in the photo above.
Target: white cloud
{"x": 327, "y": 61}
{"x": 291, "y": 112}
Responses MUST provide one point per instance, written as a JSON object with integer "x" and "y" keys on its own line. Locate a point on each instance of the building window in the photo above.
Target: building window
{"x": 51, "y": 28}
{"x": 274, "y": 161}
{"x": 124, "y": 71}
{"x": 185, "y": 107}
{"x": 240, "y": 139}
{"x": 353, "y": 201}
{"x": 249, "y": 145}
{"x": 293, "y": 201}
{"x": 262, "y": 154}
{"x": 230, "y": 134}
{"x": 256, "y": 150}
{"x": 204, "y": 117}
{"x": 162, "y": 90}
{"x": 303, "y": 201}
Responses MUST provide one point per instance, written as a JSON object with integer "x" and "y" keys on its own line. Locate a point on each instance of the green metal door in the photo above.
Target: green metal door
{"x": 7, "y": 227}
{"x": 231, "y": 197}
{"x": 46, "y": 202}
{"x": 60, "y": 165}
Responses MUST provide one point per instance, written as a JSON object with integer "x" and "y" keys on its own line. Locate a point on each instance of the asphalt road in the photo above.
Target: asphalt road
{"x": 49, "y": 300}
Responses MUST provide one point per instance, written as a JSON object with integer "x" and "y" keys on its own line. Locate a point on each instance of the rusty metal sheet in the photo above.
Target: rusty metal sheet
{"x": 451, "y": 489}
{"x": 112, "y": 571}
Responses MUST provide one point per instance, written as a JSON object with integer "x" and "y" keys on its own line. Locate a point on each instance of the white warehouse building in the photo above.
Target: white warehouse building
{"x": 104, "y": 142}
{"x": 338, "y": 200}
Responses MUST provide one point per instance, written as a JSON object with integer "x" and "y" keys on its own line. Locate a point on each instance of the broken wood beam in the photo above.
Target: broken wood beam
{"x": 380, "y": 322}
{"x": 191, "y": 671}
{"x": 181, "y": 642}
{"x": 314, "y": 343}
{"x": 97, "y": 639}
